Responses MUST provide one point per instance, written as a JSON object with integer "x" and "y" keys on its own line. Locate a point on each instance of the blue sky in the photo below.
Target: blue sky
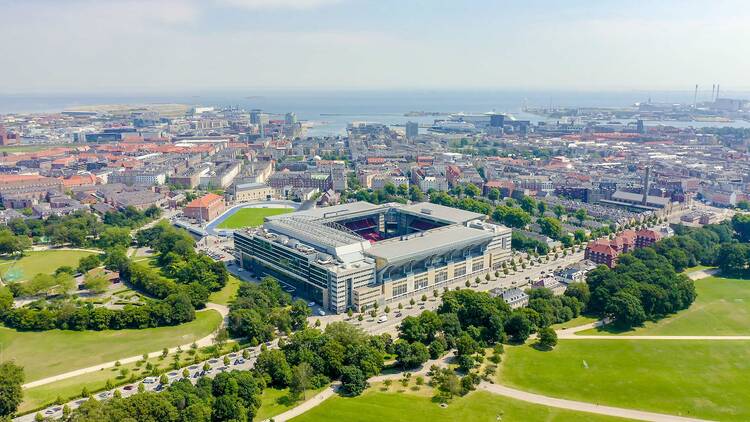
{"x": 192, "y": 45}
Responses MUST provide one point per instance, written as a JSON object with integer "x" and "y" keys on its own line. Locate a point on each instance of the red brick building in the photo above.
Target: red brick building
{"x": 646, "y": 237}
{"x": 205, "y": 208}
{"x": 601, "y": 252}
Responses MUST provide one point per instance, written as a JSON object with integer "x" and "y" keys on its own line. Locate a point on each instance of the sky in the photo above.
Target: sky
{"x": 97, "y": 46}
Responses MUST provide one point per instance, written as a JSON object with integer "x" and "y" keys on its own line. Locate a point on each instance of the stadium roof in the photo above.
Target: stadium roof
{"x": 417, "y": 245}
{"x": 441, "y": 212}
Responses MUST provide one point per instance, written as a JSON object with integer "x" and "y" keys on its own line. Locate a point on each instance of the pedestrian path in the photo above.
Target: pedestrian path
{"x": 203, "y": 342}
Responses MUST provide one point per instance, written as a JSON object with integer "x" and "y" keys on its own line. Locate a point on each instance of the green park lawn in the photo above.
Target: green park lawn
{"x": 479, "y": 406}
{"x": 31, "y": 148}
{"x": 251, "y": 217}
{"x": 33, "y": 263}
{"x": 275, "y": 401}
{"x": 575, "y": 322}
{"x": 721, "y": 308}
{"x": 71, "y": 388}
{"x": 226, "y": 294}
{"x": 704, "y": 379}
{"x": 53, "y": 352}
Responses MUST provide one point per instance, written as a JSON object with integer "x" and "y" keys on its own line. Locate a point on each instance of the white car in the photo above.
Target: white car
{"x": 321, "y": 312}
{"x": 150, "y": 380}
{"x": 382, "y": 319}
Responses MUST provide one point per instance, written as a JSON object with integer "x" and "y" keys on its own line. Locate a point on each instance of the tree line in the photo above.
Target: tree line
{"x": 181, "y": 286}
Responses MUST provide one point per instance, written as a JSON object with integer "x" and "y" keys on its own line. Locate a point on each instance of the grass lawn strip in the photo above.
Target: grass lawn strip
{"x": 700, "y": 379}
{"x": 47, "y": 353}
{"x": 227, "y": 293}
{"x": 35, "y": 262}
{"x": 722, "y": 308}
{"x": 251, "y": 217}
{"x": 275, "y": 401}
{"x": 377, "y": 406}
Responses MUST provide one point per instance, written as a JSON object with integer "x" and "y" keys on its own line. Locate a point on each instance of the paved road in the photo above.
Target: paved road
{"x": 205, "y": 341}
{"x": 581, "y": 406}
{"x": 152, "y": 383}
{"x": 520, "y": 279}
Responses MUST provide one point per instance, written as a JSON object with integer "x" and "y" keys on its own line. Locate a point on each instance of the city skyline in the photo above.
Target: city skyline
{"x": 178, "y": 45}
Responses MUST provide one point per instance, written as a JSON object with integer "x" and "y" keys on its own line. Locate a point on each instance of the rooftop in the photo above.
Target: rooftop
{"x": 445, "y": 238}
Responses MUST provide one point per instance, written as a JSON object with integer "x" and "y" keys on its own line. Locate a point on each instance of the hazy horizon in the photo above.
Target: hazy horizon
{"x": 169, "y": 46}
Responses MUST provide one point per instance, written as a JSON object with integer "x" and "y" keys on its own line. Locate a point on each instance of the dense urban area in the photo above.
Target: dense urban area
{"x": 175, "y": 262}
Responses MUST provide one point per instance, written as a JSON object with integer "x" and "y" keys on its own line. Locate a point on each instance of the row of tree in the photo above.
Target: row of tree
{"x": 183, "y": 285}
{"x": 229, "y": 396}
{"x": 84, "y": 229}
{"x": 470, "y": 321}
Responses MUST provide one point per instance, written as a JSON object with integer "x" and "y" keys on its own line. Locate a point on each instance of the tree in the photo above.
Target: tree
{"x": 273, "y": 364}
{"x": 353, "y": 381}
{"x": 11, "y": 244}
{"x": 547, "y": 338}
{"x": 88, "y": 263}
{"x": 11, "y": 394}
{"x": 493, "y": 194}
{"x": 626, "y": 310}
{"x": 558, "y": 210}
{"x": 301, "y": 379}
{"x": 511, "y": 217}
{"x": 527, "y": 204}
{"x": 580, "y": 291}
{"x": 471, "y": 190}
{"x": 741, "y": 225}
{"x": 228, "y": 408}
{"x": 299, "y": 313}
{"x": 96, "y": 281}
{"x": 541, "y": 207}
{"x": 411, "y": 355}
{"x": 581, "y": 215}
{"x": 518, "y": 327}
{"x": 221, "y": 337}
{"x": 733, "y": 258}
{"x": 550, "y": 227}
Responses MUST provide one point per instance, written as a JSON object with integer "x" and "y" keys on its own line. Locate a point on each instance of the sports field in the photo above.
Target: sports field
{"x": 251, "y": 217}
{"x": 53, "y": 352}
{"x": 479, "y": 406}
{"x": 33, "y": 263}
{"x": 704, "y": 379}
{"x": 721, "y": 308}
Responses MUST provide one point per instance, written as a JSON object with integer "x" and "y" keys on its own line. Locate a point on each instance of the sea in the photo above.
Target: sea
{"x": 327, "y": 113}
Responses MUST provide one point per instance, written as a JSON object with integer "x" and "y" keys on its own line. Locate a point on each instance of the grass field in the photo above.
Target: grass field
{"x": 701, "y": 379}
{"x": 68, "y": 389}
{"x": 226, "y": 294}
{"x": 53, "y": 352}
{"x": 275, "y": 402}
{"x": 575, "y": 322}
{"x": 33, "y": 263}
{"x": 251, "y": 217}
{"x": 478, "y": 406}
{"x": 721, "y": 308}
{"x": 31, "y": 148}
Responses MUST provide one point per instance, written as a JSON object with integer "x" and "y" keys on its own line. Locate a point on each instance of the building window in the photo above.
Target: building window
{"x": 420, "y": 282}
{"x": 459, "y": 271}
{"x": 441, "y": 276}
{"x": 399, "y": 290}
{"x": 477, "y": 266}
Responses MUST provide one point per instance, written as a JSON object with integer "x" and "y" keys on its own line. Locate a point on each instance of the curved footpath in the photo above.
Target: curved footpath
{"x": 205, "y": 341}
{"x": 498, "y": 390}
{"x": 581, "y": 406}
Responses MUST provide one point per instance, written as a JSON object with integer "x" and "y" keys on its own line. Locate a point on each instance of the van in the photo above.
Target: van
{"x": 382, "y": 319}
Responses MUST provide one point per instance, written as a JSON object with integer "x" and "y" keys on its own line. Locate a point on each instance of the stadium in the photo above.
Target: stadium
{"x": 358, "y": 254}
